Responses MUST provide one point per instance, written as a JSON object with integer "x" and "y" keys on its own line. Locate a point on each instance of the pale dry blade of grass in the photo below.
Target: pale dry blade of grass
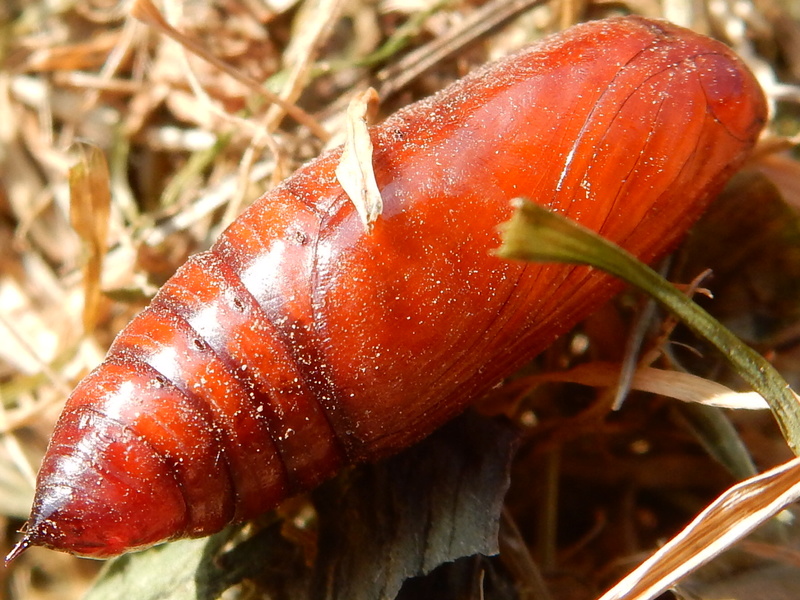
{"x": 673, "y": 384}
{"x": 728, "y": 519}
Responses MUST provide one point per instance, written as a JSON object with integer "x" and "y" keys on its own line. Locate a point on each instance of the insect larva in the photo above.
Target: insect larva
{"x": 300, "y": 342}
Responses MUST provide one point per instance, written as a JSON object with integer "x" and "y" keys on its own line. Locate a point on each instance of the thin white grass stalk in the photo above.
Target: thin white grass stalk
{"x": 673, "y": 384}
{"x": 727, "y": 520}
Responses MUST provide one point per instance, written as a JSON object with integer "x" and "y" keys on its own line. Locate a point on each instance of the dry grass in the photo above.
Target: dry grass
{"x": 189, "y": 142}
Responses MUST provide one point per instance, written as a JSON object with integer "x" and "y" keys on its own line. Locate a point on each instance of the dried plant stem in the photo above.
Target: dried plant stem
{"x": 145, "y": 11}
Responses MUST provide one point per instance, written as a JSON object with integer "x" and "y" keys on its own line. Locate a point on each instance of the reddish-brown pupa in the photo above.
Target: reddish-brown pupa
{"x": 300, "y": 342}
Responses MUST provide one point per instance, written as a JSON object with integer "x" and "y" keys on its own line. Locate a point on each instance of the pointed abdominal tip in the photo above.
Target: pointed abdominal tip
{"x": 18, "y": 549}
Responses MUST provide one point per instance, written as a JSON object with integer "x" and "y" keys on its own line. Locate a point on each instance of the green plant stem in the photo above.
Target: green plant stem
{"x": 535, "y": 234}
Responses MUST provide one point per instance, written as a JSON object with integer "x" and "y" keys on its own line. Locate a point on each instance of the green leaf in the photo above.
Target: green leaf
{"x": 166, "y": 571}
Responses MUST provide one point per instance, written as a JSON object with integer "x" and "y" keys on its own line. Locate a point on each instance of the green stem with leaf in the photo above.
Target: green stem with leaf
{"x": 535, "y": 234}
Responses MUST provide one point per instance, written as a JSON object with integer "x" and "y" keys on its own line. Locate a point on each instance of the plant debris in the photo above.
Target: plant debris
{"x": 201, "y": 107}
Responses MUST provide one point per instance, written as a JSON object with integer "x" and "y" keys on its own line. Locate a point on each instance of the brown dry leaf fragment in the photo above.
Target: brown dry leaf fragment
{"x": 90, "y": 205}
{"x": 82, "y": 56}
{"x": 355, "y": 170}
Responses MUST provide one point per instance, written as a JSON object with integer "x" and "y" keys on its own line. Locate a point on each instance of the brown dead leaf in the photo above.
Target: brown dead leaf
{"x": 90, "y": 205}
{"x": 86, "y": 55}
